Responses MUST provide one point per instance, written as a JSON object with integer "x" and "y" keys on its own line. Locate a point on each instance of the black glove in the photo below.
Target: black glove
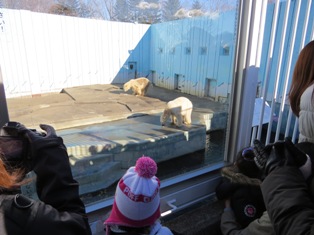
{"x": 302, "y": 153}
{"x": 50, "y": 162}
{"x": 270, "y": 157}
{"x": 39, "y": 140}
{"x": 298, "y": 157}
{"x": 36, "y": 142}
{"x": 13, "y": 150}
{"x": 267, "y": 158}
{"x": 20, "y": 145}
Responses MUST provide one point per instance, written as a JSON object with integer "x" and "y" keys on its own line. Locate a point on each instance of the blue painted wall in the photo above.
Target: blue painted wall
{"x": 194, "y": 50}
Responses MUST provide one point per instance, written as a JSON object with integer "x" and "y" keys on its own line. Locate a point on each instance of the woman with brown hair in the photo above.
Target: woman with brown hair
{"x": 289, "y": 184}
{"x": 301, "y": 93}
{"x": 60, "y": 209}
{"x": 7, "y": 180}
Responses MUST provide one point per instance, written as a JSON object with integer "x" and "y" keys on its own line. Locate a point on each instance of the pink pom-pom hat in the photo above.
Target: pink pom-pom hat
{"x": 137, "y": 199}
{"x": 146, "y": 167}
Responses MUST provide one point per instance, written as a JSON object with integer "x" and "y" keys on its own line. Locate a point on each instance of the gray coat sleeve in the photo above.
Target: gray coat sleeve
{"x": 261, "y": 226}
{"x": 288, "y": 202}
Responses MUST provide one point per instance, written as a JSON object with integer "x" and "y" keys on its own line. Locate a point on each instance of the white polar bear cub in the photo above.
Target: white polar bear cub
{"x": 138, "y": 85}
{"x": 179, "y": 110}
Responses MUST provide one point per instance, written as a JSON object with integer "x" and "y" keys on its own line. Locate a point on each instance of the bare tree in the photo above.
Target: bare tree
{"x": 142, "y": 11}
{"x": 197, "y": 5}
{"x": 59, "y": 9}
{"x": 102, "y": 9}
{"x": 136, "y": 11}
{"x": 32, "y": 5}
{"x": 121, "y": 11}
{"x": 172, "y": 10}
{"x": 197, "y": 9}
{"x": 109, "y": 4}
{"x": 150, "y": 11}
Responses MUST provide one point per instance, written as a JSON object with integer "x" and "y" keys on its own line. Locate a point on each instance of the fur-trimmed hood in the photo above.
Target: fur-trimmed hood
{"x": 232, "y": 173}
{"x": 244, "y": 193}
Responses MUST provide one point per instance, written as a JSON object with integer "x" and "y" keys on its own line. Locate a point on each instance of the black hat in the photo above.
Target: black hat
{"x": 248, "y": 204}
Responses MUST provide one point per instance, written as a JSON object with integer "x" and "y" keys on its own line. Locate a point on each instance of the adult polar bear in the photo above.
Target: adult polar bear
{"x": 138, "y": 85}
{"x": 179, "y": 110}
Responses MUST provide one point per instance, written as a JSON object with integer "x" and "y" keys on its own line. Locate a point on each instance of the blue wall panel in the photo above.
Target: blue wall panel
{"x": 194, "y": 49}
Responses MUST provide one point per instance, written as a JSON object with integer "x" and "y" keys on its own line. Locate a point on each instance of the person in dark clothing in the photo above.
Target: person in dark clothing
{"x": 60, "y": 209}
{"x": 288, "y": 188}
{"x": 245, "y": 211}
{"x": 288, "y": 185}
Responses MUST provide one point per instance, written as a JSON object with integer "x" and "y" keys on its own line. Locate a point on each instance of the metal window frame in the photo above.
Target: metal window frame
{"x": 184, "y": 190}
{"x": 251, "y": 25}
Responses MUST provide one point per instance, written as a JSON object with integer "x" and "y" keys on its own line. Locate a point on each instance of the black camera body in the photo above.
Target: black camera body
{"x": 14, "y": 147}
{"x": 10, "y": 129}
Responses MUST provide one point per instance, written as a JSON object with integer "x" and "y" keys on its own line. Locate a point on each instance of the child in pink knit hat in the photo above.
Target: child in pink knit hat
{"x": 136, "y": 207}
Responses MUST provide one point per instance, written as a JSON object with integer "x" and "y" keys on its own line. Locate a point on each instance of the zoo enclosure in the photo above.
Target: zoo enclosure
{"x": 287, "y": 29}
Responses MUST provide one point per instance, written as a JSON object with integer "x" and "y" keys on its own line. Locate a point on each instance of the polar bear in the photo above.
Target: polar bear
{"x": 138, "y": 85}
{"x": 179, "y": 110}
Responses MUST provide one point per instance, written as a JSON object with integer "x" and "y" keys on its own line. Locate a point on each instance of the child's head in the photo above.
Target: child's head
{"x": 137, "y": 200}
{"x": 245, "y": 163}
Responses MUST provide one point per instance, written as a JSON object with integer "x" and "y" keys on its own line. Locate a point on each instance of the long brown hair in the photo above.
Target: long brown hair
{"x": 10, "y": 179}
{"x": 303, "y": 76}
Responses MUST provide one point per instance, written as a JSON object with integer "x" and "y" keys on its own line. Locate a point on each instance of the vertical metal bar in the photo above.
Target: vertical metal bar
{"x": 268, "y": 67}
{"x": 312, "y": 35}
{"x": 288, "y": 67}
{"x": 304, "y": 30}
{"x": 246, "y": 67}
{"x": 294, "y": 135}
{"x": 235, "y": 99}
{"x": 288, "y": 124}
{"x": 278, "y": 72}
{"x": 4, "y": 114}
{"x": 253, "y": 135}
{"x": 306, "y": 23}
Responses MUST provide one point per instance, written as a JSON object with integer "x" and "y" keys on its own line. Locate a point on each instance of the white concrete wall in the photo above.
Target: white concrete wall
{"x": 42, "y": 53}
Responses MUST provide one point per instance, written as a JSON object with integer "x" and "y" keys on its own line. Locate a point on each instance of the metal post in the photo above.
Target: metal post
{"x": 248, "y": 51}
{"x": 4, "y": 115}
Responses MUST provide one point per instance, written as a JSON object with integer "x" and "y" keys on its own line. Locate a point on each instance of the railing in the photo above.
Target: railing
{"x": 290, "y": 30}
{"x": 269, "y": 41}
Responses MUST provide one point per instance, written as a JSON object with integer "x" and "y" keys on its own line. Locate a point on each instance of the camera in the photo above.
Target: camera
{"x": 14, "y": 148}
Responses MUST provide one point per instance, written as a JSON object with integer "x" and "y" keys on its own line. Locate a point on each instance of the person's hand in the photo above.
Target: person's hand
{"x": 37, "y": 140}
{"x": 269, "y": 157}
{"x": 300, "y": 159}
{"x": 227, "y": 203}
{"x": 261, "y": 153}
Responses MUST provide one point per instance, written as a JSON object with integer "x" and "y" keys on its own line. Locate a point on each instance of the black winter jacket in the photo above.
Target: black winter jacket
{"x": 59, "y": 211}
{"x": 289, "y": 199}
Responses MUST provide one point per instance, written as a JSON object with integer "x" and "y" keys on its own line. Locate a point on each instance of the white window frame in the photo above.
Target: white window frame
{"x": 181, "y": 191}
{"x": 184, "y": 190}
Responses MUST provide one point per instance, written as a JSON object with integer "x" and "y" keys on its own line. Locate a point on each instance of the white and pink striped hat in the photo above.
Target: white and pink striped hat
{"x": 137, "y": 199}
